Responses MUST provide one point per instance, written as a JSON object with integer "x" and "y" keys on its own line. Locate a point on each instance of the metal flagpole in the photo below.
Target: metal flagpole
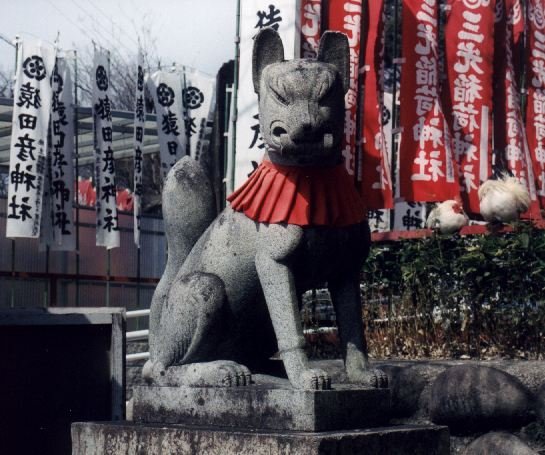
{"x": 76, "y": 137}
{"x": 235, "y": 94}
{"x": 12, "y": 296}
{"x": 47, "y": 290}
{"x": 395, "y": 170}
{"x": 108, "y": 251}
{"x": 139, "y": 225}
{"x": 523, "y": 73}
{"x": 358, "y": 153}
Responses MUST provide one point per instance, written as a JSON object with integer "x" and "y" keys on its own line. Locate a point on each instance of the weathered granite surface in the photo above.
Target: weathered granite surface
{"x": 264, "y": 407}
{"x": 473, "y": 398}
{"x": 498, "y": 443}
{"x": 411, "y": 381}
{"x": 129, "y": 438}
{"x": 229, "y": 299}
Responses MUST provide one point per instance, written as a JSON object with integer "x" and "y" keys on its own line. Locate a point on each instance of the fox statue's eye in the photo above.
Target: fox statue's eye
{"x": 280, "y": 98}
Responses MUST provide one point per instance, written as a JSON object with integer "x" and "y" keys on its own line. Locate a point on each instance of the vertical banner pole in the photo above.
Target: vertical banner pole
{"x": 395, "y": 121}
{"x": 227, "y": 141}
{"x": 12, "y": 290}
{"x": 47, "y": 291}
{"x": 109, "y": 255}
{"x": 138, "y": 285}
{"x": 12, "y": 298}
{"x": 76, "y": 137}
{"x": 108, "y": 272}
{"x": 523, "y": 60}
{"x": 358, "y": 155}
{"x": 234, "y": 97}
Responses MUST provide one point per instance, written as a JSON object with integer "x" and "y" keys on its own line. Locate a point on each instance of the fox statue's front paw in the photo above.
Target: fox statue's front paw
{"x": 299, "y": 373}
{"x": 369, "y": 377}
{"x": 312, "y": 379}
{"x": 219, "y": 373}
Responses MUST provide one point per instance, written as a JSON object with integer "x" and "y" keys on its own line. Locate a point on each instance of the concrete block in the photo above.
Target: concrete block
{"x": 60, "y": 365}
{"x": 130, "y": 438}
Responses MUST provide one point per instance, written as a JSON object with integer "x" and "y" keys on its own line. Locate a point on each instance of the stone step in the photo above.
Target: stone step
{"x": 97, "y": 438}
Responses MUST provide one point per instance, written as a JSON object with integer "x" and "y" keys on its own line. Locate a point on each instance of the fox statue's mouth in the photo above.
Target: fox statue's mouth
{"x": 312, "y": 141}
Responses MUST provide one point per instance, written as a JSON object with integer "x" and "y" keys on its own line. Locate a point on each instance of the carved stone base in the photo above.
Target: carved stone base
{"x": 266, "y": 407}
{"x": 119, "y": 438}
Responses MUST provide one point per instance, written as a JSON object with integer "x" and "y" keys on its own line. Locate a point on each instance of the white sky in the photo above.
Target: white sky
{"x": 197, "y": 33}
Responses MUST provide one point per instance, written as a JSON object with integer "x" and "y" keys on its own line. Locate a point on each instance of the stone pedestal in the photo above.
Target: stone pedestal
{"x": 270, "y": 418}
{"x": 131, "y": 438}
{"x": 265, "y": 407}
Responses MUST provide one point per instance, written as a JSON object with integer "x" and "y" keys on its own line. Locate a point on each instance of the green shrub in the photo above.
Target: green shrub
{"x": 443, "y": 296}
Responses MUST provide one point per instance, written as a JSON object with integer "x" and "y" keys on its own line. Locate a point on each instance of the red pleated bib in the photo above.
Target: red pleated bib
{"x": 306, "y": 196}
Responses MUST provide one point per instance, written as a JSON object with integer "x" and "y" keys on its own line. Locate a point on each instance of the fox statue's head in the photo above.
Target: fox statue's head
{"x": 301, "y": 102}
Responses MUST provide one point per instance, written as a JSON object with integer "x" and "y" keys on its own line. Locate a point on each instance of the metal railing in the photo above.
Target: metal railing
{"x": 137, "y": 335}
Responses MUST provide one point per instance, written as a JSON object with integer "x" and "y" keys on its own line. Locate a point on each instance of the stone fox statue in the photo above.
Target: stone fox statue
{"x": 230, "y": 295}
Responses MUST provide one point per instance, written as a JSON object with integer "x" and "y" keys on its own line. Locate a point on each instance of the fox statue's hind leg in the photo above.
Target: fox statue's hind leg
{"x": 188, "y": 208}
{"x": 192, "y": 326}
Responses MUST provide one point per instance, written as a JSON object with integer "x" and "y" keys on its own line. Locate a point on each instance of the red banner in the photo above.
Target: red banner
{"x": 376, "y": 187}
{"x": 509, "y": 136}
{"x": 469, "y": 51}
{"x": 427, "y": 169}
{"x": 345, "y": 16}
{"x": 516, "y": 18}
{"x": 535, "y": 107}
{"x": 518, "y": 25}
{"x": 311, "y": 18}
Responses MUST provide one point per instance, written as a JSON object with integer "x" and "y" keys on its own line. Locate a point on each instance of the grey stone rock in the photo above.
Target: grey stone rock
{"x": 406, "y": 386}
{"x": 229, "y": 298}
{"x": 471, "y": 399}
{"x": 131, "y": 438}
{"x": 407, "y": 376}
{"x": 498, "y": 443}
{"x": 264, "y": 407}
{"x": 529, "y": 372}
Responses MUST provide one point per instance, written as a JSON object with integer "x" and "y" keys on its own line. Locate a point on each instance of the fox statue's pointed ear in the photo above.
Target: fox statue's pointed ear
{"x": 268, "y": 48}
{"x": 334, "y": 49}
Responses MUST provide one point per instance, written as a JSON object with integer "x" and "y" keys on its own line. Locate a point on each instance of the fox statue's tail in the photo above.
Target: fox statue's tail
{"x": 188, "y": 209}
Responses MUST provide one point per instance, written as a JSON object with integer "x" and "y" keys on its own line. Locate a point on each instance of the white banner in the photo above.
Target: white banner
{"x": 62, "y": 160}
{"x": 107, "y": 230}
{"x": 32, "y": 104}
{"x": 254, "y": 15}
{"x": 379, "y": 220}
{"x": 199, "y": 104}
{"x": 60, "y": 188}
{"x": 166, "y": 89}
{"x": 138, "y": 138}
{"x": 409, "y": 216}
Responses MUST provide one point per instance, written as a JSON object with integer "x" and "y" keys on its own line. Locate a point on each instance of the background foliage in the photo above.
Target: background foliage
{"x": 479, "y": 296}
